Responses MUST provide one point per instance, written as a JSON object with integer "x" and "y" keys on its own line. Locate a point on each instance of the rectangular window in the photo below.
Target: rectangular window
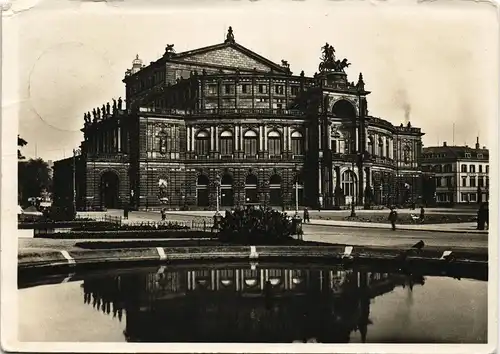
{"x": 279, "y": 89}
{"x": 262, "y": 88}
{"x": 464, "y": 181}
{"x": 487, "y": 169}
{"x": 295, "y": 90}
{"x": 464, "y": 197}
{"x": 227, "y": 89}
{"x": 226, "y": 146}
{"x": 449, "y": 181}
{"x": 244, "y": 88}
{"x": 472, "y": 181}
{"x": 472, "y": 169}
{"x": 438, "y": 182}
{"x": 467, "y": 155}
{"x": 480, "y": 181}
{"x": 472, "y": 197}
{"x": 487, "y": 182}
{"x": 480, "y": 168}
{"x": 212, "y": 89}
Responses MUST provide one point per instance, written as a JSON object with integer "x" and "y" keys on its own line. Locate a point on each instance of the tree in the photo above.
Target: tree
{"x": 20, "y": 143}
{"x": 33, "y": 178}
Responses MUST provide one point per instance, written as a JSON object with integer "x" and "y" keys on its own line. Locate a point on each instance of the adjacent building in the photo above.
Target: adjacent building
{"x": 222, "y": 125}
{"x": 461, "y": 173}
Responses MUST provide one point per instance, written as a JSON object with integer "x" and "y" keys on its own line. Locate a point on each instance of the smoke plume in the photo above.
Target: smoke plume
{"x": 402, "y": 101}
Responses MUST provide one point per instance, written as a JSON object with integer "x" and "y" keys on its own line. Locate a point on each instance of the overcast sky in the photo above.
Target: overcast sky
{"x": 439, "y": 59}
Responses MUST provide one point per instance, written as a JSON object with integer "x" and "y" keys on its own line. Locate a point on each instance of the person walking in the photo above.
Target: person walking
{"x": 306, "y": 215}
{"x": 163, "y": 214}
{"x": 422, "y": 214}
{"x": 393, "y": 216}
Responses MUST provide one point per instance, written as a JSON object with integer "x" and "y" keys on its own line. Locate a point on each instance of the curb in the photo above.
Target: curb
{"x": 52, "y": 259}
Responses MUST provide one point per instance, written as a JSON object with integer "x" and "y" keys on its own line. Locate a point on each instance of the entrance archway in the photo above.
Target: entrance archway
{"x": 226, "y": 190}
{"x": 109, "y": 189}
{"x": 202, "y": 191}
{"x": 349, "y": 186}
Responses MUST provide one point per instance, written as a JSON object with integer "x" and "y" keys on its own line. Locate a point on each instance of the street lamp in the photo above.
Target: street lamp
{"x": 296, "y": 190}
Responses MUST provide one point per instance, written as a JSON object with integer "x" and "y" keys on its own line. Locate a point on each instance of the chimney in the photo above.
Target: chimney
{"x": 444, "y": 143}
{"x": 477, "y": 143}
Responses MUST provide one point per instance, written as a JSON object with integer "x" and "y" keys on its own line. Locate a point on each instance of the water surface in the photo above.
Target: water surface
{"x": 241, "y": 304}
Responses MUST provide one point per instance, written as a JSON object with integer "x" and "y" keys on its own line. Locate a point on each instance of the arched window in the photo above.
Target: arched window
{"x": 251, "y": 183}
{"x": 380, "y": 147}
{"x": 297, "y": 143}
{"x": 348, "y": 183}
{"x": 250, "y": 139}
{"x": 202, "y": 143}
{"x": 275, "y": 190}
{"x": 226, "y": 142}
{"x": 371, "y": 147}
{"x": 226, "y": 190}
{"x": 472, "y": 169}
{"x": 274, "y": 143}
{"x": 202, "y": 191}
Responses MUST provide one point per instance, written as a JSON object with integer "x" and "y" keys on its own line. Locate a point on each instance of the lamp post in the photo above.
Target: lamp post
{"x": 217, "y": 194}
{"x": 353, "y": 208}
{"x": 296, "y": 190}
{"x": 75, "y": 153}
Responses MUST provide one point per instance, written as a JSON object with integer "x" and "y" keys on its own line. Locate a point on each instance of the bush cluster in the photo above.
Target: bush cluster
{"x": 257, "y": 226}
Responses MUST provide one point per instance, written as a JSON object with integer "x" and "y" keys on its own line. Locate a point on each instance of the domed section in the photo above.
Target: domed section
{"x": 137, "y": 61}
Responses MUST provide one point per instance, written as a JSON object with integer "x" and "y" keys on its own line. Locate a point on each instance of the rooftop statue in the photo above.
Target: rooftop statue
{"x": 329, "y": 62}
{"x": 230, "y": 35}
{"x": 114, "y": 106}
{"x": 120, "y": 103}
{"x": 169, "y": 50}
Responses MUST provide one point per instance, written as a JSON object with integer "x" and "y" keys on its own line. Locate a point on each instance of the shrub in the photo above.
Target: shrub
{"x": 256, "y": 226}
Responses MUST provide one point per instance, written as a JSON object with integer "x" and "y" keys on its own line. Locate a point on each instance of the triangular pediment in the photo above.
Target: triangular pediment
{"x": 230, "y": 55}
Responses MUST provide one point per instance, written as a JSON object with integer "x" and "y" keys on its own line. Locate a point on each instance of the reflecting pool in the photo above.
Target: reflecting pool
{"x": 240, "y": 303}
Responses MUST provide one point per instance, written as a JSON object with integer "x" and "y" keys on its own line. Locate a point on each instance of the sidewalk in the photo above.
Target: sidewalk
{"x": 467, "y": 227}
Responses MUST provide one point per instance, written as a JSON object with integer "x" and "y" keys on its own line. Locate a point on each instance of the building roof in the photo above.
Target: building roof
{"x": 446, "y": 152}
{"x": 186, "y": 55}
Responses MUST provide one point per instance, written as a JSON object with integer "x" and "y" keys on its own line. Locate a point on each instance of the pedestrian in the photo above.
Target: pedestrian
{"x": 393, "y": 216}
{"x": 306, "y": 215}
{"x": 320, "y": 203}
{"x": 125, "y": 211}
{"x": 422, "y": 213}
{"x": 163, "y": 214}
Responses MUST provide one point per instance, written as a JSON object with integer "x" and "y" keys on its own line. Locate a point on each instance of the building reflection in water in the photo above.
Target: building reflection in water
{"x": 243, "y": 304}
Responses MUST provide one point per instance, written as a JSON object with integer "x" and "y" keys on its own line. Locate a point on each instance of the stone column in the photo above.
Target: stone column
{"x": 188, "y": 138}
{"x": 261, "y": 138}
{"x": 216, "y": 138}
{"x": 119, "y": 139}
{"x": 212, "y": 140}
{"x": 265, "y": 138}
{"x": 306, "y": 139}
{"x": 236, "y": 137}
{"x": 289, "y": 137}
{"x": 192, "y": 138}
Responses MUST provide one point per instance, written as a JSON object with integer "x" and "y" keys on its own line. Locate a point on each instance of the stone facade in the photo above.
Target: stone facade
{"x": 223, "y": 125}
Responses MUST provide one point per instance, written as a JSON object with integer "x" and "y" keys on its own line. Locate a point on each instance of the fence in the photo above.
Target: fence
{"x": 194, "y": 224}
